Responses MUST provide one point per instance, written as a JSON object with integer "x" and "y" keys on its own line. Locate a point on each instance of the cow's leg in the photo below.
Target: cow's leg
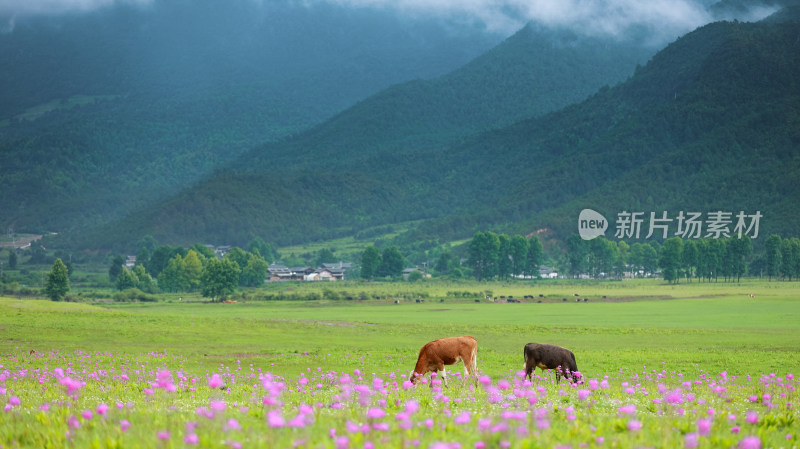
{"x": 559, "y": 372}
{"x": 530, "y": 367}
{"x": 444, "y": 375}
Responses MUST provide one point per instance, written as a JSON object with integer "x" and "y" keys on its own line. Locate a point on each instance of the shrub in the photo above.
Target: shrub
{"x": 133, "y": 294}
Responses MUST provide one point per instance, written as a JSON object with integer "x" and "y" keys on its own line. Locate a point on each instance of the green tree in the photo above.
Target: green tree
{"x": 444, "y": 263}
{"x": 255, "y": 272}
{"x": 265, "y": 249}
{"x": 504, "y": 257}
{"x": 174, "y": 277}
{"x": 535, "y": 256}
{"x": 689, "y": 258}
{"x": 741, "y": 249}
{"x": 161, "y": 257}
{"x": 238, "y": 255}
{"x": 57, "y": 285}
{"x": 773, "y": 255}
{"x": 126, "y": 279}
{"x": 392, "y": 262}
{"x": 148, "y": 242}
{"x": 796, "y": 255}
{"x": 670, "y": 259}
{"x": 370, "y": 261}
{"x": 203, "y": 251}
{"x": 484, "y": 249}
{"x": 116, "y": 268}
{"x": 790, "y": 258}
{"x": 602, "y": 255}
{"x": 193, "y": 263}
{"x": 577, "y": 254}
{"x": 715, "y": 255}
{"x": 219, "y": 279}
{"x": 325, "y": 255}
{"x": 650, "y": 258}
{"x": 146, "y": 283}
{"x": 12, "y": 259}
{"x": 143, "y": 258}
{"x": 623, "y": 255}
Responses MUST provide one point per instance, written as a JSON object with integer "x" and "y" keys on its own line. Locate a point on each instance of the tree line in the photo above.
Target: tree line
{"x": 676, "y": 258}
{"x": 498, "y": 256}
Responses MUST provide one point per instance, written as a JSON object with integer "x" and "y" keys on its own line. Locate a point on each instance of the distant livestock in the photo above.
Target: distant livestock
{"x": 554, "y": 357}
{"x": 435, "y": 355}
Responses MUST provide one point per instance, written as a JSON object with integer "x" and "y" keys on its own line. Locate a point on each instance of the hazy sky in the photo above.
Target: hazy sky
{"x": 660, "y": 19}
{"x": 12, "y": 7}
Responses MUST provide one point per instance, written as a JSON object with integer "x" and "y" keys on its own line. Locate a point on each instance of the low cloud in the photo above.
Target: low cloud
{"x": 652, "y": 20}
{"x": 12, "y": 8}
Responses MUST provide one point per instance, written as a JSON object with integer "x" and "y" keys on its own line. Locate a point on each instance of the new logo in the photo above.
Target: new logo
{"x": 591, "y": 224}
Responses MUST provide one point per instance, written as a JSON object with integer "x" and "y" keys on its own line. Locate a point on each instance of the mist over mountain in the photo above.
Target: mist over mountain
{"x": 710, "y": 123}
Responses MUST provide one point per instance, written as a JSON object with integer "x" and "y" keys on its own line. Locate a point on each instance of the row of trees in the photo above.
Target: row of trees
{"x": 498, "y": 256}
{"x": 501, "y": 256}
{"x": 704, "y": 259}
{"x": 782, "y": 257}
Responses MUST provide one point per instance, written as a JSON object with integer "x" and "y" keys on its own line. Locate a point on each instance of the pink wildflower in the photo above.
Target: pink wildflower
{"x": 234, "y": 424}
{"x": 217, "y": 405}
{"x": 750, "y": 443}
{"x": 375, "y": 413}
{"x": 215, "y": 381}
{"x": 704, "y": 426}
{"x": 690, "y": 440}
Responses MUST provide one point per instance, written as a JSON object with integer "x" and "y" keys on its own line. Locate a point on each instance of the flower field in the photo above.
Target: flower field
{"x": 109, "y": 400}
{"x": 704, "y": 367}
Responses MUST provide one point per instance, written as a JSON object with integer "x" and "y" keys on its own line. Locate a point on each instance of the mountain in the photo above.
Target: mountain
{"x": 104, "y": 112}
{"x": 710, "y": 123}
{"x": 533, "y": 72}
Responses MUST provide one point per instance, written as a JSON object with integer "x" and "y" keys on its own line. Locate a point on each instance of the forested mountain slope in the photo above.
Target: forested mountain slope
{"x": 106, "y": 111}
{"x": 711, "y": 122}
{"x": 533, "y": 72}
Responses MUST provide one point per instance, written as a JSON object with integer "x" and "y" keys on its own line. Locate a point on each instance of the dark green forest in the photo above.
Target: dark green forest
{"x": 712, "y": 122}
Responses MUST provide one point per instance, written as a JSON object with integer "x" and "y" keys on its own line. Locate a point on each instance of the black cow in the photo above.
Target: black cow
{"x": 550, "y": 357}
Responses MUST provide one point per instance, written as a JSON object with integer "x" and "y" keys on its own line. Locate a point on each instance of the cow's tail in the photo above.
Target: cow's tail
{"x": 525, "y": 356}
{"x": 474, "y": 361}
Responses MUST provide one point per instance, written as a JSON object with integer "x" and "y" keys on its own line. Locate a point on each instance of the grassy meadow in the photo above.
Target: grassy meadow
{"x": 636, "y": 342}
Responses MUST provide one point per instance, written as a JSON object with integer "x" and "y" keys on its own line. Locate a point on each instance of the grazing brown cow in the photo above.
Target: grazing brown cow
{"x": 447, "y": 351}
{"x": 550, "y": 357}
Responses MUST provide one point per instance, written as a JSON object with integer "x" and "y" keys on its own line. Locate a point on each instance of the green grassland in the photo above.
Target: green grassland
{"x": 688, "y": 328}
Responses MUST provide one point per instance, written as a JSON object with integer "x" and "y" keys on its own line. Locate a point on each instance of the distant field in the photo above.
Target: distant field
{"x": 688, "y": 327}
